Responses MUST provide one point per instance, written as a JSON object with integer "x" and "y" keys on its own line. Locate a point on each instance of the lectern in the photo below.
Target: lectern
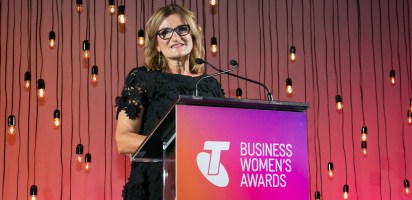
{"x": 222, "y": 148}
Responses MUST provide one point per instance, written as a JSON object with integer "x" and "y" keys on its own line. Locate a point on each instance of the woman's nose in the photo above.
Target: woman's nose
{"x": 175, "y": 36}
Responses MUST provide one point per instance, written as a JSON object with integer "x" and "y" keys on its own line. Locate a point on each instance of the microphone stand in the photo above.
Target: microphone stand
{"x": 215, "y": 74}
{"x": 233, "y": 62}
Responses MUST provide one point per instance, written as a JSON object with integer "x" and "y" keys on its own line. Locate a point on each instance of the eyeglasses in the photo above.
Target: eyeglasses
{"x": 167, "y": 33}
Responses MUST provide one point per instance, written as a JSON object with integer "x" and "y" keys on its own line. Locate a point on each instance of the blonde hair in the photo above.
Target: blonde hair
{"x": 151, "y": 55}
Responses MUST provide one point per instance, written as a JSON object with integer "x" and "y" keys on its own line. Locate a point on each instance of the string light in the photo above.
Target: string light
{"x": 41, "y": 87}
{"x": 140, "y": 38}
{"x": 410, "y": 105}
{"x": 27, "y": 79}
{"x": 409, "y": 117}
{"x": 33, "y": 192}
{"x": 11, "y": 122}
{"x": 339, "y": 103}
{"x": 212, "y": 2}
{"x": 86, "y": 49}
{"x": 239, "y": 93}
{"x": 213, "y": 44}
{"x": 52, "y": 38}
{"x": 364, "y": 133}
{"x": 79, "y": 153}
{"x": 56, "y": 118}
{"x": 364, "y": 147}
{"x": 289, "y": 89}
{"x": 330, "y": 169}
{"x": 87, "y": 160}
{"x": 79, "y": 6}
{"x": 392, "y": 77}
{"x": 317, "y": 195}
{"x": 292, "y": 53}
{"x": 121, "y": 14}
{"x": 95, "y": 72}
{"x": 345, "y": 191}
{"x": 406, "y": 186}
{"x": 112, "y": 7}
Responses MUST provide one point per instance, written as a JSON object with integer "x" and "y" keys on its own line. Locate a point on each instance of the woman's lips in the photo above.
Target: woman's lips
{"x": 176, "y": 46}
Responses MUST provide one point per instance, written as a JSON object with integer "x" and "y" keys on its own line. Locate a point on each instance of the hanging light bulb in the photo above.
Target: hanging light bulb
{"x": 11, "y": 122}
{"x": 79, "y": 6}
{"x": 87, "y": 160}
{"x": 392, "y": 76}
{"x": 79, "y": 153}
{"x": 112, "y": 7}
{"x": 289, "y": 89}
{"x": 95, "y": 72}
{"x": 52, "y": 38}
{"x": 33, "y": 192}
{"x": 213, "y": 44}
{"x": 212, "y": 2}
{"x": 56, "y": 118}
{"x": 317, "y": 195}
{"x": 239, "y": 93}
{"x": 364, "y": 133}
{"x": 140, "y": 38}
{"x": 364, "y": 147}
{"x": 27, "y": 79}
{"x": 410, "y": 105}
{"x": 339, "y": 103}
{"x": 86, "y": 49}
{"x": 330, "y": 169}
{"x": 345, "y": 191}
{"x": 41, "y": 87}
{"x": 406, "y": 186}
{"x": 292, "y": 53}
{"x": 121, "y": 14}
{"x": 409, "y": 117}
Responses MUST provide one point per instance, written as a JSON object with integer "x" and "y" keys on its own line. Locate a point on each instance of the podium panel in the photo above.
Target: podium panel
{"x": 239, "y": 153}
{"x": 219, "y": 148}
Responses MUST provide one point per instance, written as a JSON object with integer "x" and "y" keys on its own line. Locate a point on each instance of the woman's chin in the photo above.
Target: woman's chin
{"x": 179, "y": 55}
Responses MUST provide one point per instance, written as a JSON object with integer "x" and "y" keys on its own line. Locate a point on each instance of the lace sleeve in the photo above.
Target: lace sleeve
{"x": 133, "y": 96}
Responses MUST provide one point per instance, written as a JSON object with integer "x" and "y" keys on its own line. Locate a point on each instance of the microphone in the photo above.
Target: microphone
{"x": 215, "y": 74}
{"x": 233, "y": 63}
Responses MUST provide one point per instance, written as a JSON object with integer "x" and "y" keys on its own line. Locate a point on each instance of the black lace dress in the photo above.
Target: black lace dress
{"x": 156, "y": 92}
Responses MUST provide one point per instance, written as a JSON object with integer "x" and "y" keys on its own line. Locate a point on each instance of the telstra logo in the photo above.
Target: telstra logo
{"x": 210, "y": 165}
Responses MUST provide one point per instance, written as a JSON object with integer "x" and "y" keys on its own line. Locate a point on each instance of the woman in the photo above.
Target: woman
{"x": 173, "y": 41}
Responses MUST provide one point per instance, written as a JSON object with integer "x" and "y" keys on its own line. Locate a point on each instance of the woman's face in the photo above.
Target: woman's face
{"x": 177, "y": 46}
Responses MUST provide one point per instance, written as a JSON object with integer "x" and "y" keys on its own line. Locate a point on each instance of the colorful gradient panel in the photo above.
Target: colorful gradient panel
{"x": 235, "y": 153}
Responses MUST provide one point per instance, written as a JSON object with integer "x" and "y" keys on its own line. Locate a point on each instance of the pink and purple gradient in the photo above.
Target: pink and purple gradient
{"x": 197, "y": 124}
